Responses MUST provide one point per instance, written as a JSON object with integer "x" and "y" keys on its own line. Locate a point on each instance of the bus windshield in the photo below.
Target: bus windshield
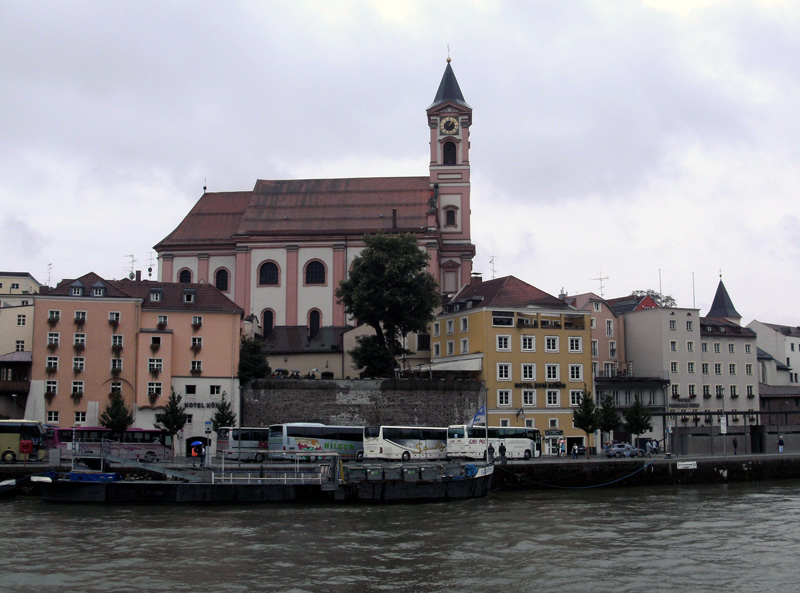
{"x": 22, "y": 439}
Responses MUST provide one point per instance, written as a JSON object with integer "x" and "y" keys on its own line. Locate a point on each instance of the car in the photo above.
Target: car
{"x": 620, "y": 449}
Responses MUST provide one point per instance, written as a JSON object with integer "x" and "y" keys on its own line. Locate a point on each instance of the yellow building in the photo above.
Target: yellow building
{"x": 532, "y": 350}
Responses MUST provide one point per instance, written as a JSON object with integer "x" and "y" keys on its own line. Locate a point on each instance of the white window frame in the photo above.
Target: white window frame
{"x": 552, "y": 372}
{"x": 575, "y": 396}
{"x": 464, "y": 345}
{"x": 529, "y": 398}
{"x": 80, "y": 417}
{"x": 575, "y": 372}
{"x": 437, "y": 329}
{"x": 575, "y": 344}
{"x": 527, "y": 343}
{"x": 465, "y": 324}
{"x": 551, "y": 343}
{"x": 52, "y": 416}
{"x": 503, "y": 371}
{"x": 503, "y": 397}
{"x": 528, "y": 371}
{"x": 553, "y": 398}
{"x": 450, "y": 326}
{"x": 503, "y": 343}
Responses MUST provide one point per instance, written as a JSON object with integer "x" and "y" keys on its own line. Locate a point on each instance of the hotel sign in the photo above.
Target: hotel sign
{"x": 682, "y": 404}
{"x": 551, "y": 385}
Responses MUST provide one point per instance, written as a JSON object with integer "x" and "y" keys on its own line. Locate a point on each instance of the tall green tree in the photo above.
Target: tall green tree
{"x": 586, "y": 416}
{"x": 390, "y": 290}
{"x": 252, "y": 361}
{"x": 223, "y": 416}
{"x": 173, "y": 418}
{"x": 116, "y": 416}
{"x": 637, "y": 418}
{"x": 609, "y": 419}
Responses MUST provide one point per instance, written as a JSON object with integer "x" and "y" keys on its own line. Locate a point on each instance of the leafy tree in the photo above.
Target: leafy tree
{"x": 662, "y": 300}
{"x": 252, "y": 361}
{"x": 390, "y": 290}
{"x": 116, "y": 416}
{"x": 224, "y": 415}
{"x": 370, "y": 355}
{"x": 586, "y": 417}
{"x": 173, "y": 418}
{"x": 637, "y": 418}
{"x": 608, "y": 417}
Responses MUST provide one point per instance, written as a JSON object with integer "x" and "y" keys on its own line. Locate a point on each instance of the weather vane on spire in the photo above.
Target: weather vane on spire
{"x": 448, "y": 53}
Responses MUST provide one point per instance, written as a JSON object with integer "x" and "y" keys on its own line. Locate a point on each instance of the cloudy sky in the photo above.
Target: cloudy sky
{"x": 653, "y": 144}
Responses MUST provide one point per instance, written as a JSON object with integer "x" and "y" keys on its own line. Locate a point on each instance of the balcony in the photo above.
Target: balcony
{"x": 18, "y": 386}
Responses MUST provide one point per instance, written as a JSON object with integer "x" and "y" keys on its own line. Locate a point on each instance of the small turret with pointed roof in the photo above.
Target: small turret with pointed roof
{"x": 722, "y": 307}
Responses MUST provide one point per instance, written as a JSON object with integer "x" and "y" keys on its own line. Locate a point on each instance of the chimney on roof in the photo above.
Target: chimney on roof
{"x": 563, "y": 294}
{"x": 476, "y": 279}
{"x": 138, "y": 275}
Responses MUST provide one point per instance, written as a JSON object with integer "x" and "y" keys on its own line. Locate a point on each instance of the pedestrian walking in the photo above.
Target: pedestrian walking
{"x": 502, "y": 451}
{"x": 780, "y": 444}
{"x": 735, "y": 445}
{"x": 574, "y": 451}
{"x": 649, "y": 447}
{"x": 491, "y": 453}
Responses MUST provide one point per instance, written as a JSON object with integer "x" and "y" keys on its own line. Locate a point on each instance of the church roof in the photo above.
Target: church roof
{"x": 449, "y": 91}
{"x": 306, "y": 207}
{"x": 722, "y": 305}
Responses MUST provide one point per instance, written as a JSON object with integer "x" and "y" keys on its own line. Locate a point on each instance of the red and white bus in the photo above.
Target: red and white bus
{"x": 137, "y": 443}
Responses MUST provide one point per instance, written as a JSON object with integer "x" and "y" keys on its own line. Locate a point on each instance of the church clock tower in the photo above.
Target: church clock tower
{"x": 450, "y": 119}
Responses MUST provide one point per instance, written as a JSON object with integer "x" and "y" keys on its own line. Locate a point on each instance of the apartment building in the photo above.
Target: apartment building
{"x": 531, "y": 350}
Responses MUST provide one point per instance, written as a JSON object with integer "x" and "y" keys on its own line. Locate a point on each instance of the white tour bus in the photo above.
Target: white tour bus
{"x": 405, "y": 442}
{"x": 469, "y": 442}
{"x": 347, "y": 441}
{"x": 242, "y": 444}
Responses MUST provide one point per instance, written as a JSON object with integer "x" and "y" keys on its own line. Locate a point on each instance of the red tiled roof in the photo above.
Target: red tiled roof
{"x": 306, "y": 207}
{"x": 509, "y": 292}
{"x": 207, "y": 297}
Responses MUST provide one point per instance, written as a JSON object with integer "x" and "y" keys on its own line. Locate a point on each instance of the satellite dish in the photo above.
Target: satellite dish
{"x": 131, "y": 276}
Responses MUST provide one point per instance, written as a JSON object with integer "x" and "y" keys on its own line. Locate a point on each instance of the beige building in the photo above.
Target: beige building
{"x": 531, "y": 350}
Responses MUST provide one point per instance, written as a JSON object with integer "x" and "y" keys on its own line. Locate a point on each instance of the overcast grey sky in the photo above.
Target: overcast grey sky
{"x": 652, "y": 143}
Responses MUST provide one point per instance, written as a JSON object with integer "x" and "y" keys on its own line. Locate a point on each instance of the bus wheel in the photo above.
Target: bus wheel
{"x": 259, "y": 458}
{"x": 360, "y": 456}
{"x": 406, "y": 456}
{"x": 527, "y": 455}
{"x": 150, "y": 456}
{"x": 9, "y": 457}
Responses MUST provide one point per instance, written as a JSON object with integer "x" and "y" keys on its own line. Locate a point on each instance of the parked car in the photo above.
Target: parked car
{"x": 619, "y": 450}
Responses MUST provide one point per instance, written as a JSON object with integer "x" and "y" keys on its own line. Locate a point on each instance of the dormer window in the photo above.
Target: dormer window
{"x": 76, "y": 291}
{"x": 98, "y": 290}
{"x": 189, "y": 296}
{"x": 155, "y": 296}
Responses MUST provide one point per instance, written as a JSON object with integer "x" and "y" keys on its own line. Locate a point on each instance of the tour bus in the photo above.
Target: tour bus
{"x": 248, "y": 443}
{"x": 405, "y": 442}
{"x": 22, "y": 439}
{"x": 137, "y": 443}
{"x": 469, "y": 442}
{"x": 347, "y": 441}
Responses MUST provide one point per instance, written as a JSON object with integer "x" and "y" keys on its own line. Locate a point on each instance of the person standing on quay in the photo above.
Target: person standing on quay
{"x": 491, "y": 453}
{"x": 780, "y": 444}
{"x": 502, "y": 451}
{"x": 574, "y": 451}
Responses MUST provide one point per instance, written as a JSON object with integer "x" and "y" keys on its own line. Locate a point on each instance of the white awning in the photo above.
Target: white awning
{"x": 464, "y": 364}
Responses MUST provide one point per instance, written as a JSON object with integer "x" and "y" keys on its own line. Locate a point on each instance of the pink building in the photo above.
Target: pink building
{"x": 281, "y": 249}
{"x": 92, "y": 337}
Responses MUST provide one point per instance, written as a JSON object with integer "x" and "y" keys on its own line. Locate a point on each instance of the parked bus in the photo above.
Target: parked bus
{"x": 469, "y": 442}
{"x": 248, "y": 443}
{"x": 22, "y": 439}
{"x": 137, "y": 443}
{"x": 347, "y": 441}
{"x": 405, "y": 442}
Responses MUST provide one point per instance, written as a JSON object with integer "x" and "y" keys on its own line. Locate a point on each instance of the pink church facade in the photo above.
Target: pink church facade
{"x": 280, "y": 250}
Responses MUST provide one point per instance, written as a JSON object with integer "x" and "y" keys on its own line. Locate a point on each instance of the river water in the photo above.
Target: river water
{"x": 736, "y": 537}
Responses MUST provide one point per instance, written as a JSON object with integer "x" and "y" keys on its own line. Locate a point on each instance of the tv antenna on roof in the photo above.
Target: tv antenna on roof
{"x": 132, "y": 273}
{"x": 491, "y": 264}
{"x": 601, "y": 279}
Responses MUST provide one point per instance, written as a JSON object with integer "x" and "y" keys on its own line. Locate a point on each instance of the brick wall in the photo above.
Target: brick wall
{"x": 361, "y": 402}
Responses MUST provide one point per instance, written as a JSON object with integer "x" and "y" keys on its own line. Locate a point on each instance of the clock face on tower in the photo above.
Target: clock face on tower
{"x": 448, "y": 125}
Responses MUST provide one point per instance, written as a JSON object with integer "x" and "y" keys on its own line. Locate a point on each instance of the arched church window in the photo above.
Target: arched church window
{"x": 185, "y": 276}
{"x": 315, "y": 273}
{"x": 268, "y": 322}
{"x": 449, "y": 153}
{"x": 313, "y": 323}
{"x": 268, "y": 274}
{"x": 450, "y": 216}
{"x": 221, "y": 279}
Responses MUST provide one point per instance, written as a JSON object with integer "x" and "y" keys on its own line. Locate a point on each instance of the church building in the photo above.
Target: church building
{"x": 280, "y": 250}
